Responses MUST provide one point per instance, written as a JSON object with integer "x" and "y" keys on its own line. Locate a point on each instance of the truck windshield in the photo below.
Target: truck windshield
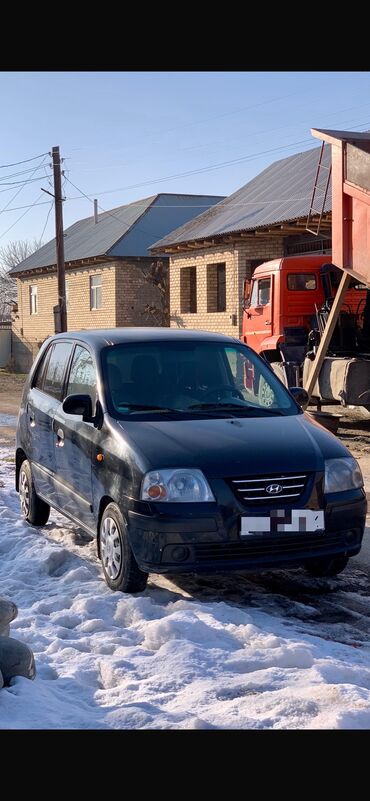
{"x": 191, "y": 377}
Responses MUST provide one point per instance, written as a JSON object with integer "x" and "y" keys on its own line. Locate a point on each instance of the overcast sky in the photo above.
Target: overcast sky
{"x": 119, "y": 132}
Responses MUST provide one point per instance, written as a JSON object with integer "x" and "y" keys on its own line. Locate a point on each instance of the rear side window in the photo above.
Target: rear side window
{"x": 40, "y": 372}
{"x": 300, "y": 282}
{"x": 56, "y": 368}
{"x": 82, "y": 376}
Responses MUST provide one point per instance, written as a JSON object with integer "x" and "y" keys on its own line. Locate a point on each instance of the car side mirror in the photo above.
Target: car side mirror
{"x": 300, "y": 396}
{"x": 79, "y": 404}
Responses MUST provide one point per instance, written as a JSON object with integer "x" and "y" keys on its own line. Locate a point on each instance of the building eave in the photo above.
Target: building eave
{"x": 282, "y": 229}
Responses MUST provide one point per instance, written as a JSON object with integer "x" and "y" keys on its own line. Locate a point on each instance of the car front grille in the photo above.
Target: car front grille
{"x": 255, "y": 548}
{"x": 269, "y": 489}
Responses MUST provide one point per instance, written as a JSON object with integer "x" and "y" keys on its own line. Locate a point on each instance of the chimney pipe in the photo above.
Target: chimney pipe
{"x": 95, "y": 211}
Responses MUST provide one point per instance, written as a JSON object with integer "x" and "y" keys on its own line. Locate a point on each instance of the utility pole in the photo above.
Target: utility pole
{"x": 59, "y": 239}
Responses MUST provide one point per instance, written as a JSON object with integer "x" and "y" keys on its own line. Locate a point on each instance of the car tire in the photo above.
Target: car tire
{"x": 327, "y": 567}
{"x": 120, "y": 568}
{"x": 34, "y": 510}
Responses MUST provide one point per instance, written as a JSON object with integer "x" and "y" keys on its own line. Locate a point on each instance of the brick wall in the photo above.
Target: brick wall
{"x": 237, "y": 260}
{"x": 133, "y": 293}
{"x": 30, "y": 330}
{"x": 124, "y": 296}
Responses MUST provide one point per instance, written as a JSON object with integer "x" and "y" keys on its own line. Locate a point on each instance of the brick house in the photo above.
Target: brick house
{"x": 211, "y": 255}
{"x": 104, "y": 258}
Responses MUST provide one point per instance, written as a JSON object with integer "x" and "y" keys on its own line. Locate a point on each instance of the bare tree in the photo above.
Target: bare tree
{"x": 11, "y": 255}
{"x": 158, "y": 276}
{"x": 17, "y": 251}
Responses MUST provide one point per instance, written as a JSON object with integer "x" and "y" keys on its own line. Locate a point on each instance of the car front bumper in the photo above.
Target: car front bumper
{"x": 179, "y": 538}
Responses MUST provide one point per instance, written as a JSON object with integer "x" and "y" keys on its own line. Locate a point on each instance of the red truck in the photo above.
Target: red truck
{"x": 285, "y": 309}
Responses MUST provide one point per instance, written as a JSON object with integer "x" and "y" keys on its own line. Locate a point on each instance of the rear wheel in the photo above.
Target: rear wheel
{"x": 33, "y": 508}
{"x": 327, "y": 567}
{"x": 120, "y": 568}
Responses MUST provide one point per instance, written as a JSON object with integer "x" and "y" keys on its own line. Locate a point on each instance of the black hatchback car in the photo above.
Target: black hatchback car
{"x": 182, "y": 451}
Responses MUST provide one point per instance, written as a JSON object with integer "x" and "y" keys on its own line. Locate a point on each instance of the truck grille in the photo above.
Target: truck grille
{"x": 270, "y": 489}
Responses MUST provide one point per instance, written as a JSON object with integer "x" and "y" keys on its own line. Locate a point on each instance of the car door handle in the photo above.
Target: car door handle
{"x": 31, "y": 416}
{"x": 268, "y": 322}
{"x": 60, "y": 438}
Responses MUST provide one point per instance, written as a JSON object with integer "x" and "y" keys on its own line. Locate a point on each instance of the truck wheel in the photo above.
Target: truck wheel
{"x": 120, "y": 568}
{"x": 327, "y": 566}
{"x": 33, "y": 508}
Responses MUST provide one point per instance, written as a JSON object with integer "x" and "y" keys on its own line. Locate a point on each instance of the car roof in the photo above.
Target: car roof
{"x": 101, "y": 337}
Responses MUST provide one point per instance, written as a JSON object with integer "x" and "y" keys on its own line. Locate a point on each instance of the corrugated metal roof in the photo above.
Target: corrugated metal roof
{"x": 123, "y": 231}
{"x": 344, "y": 136}
{"x": 280, "y": 193}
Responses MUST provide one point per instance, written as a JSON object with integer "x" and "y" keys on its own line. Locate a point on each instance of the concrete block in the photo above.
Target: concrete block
{"x": 16, "y": 659}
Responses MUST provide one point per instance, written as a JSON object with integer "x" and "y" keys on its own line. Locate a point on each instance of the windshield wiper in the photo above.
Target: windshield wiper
{"x": 141, "y": 407}
{"x": 235, "y": 406}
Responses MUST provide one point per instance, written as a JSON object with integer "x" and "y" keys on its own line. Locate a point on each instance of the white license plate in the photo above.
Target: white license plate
{"x": 283, "y": 521}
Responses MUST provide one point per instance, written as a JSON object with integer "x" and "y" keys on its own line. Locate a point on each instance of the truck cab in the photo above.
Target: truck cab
{"x": 285, "y": 309}
{"x": 279, "y": 306}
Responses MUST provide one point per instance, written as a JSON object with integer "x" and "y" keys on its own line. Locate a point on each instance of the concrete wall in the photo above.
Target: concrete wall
{"x": 5, "y": 346}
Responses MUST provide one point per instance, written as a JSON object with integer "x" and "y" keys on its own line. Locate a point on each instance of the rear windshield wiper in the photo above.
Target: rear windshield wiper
{"x": 235, "y": 407}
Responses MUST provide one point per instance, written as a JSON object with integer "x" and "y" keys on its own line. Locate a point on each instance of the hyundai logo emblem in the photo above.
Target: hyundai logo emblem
{"x": 274, "y": 489}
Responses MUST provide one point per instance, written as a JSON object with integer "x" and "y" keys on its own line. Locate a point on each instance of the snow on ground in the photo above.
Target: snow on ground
{"x": 8, "y": 420}
{"x": 278, "y": 651}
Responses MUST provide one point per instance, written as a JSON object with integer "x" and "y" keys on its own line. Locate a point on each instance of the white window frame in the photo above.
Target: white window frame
{"x": 33, "y": 299}
{"x": 94, "y": 292}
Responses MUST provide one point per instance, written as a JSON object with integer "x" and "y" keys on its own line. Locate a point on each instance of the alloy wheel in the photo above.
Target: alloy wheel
{"x": 24, "y": 493}
{"x": 110, "y": 548}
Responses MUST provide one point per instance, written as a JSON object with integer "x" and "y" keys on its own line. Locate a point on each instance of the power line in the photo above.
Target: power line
{"x": 200, "y": 170}
{"x": 41, "y": 166}
{"x": 19, "y": 218}
{"x": 27, "y": 181}
{"x": 29, "y": 206}
{"x": 25, "y": 161}
{"x": 47, "y": 219}
{"x": 18, "y": 190}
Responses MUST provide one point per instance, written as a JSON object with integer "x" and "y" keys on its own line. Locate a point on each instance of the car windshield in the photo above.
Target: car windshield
{"x": 191, "y": 378}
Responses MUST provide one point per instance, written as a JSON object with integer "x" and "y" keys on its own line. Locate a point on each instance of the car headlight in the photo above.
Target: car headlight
{"x": 342, "y": 474}
{"x": 176, "y": 486}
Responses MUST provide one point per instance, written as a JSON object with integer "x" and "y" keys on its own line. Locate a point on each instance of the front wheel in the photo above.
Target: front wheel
{"x": 120, "y": 568}
{"x": 327, "y": 567}
{"x": 33, "y": 508}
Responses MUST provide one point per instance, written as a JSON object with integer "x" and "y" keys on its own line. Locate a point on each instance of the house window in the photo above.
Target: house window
{"x": 188, "y": 290}
{"x": 95, "y": 292}
{"x": 216, "y": 287}
{"x": 33, "y": 299}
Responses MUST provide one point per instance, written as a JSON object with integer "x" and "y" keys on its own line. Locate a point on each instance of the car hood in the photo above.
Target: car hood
{"x": 235, "y": 446}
